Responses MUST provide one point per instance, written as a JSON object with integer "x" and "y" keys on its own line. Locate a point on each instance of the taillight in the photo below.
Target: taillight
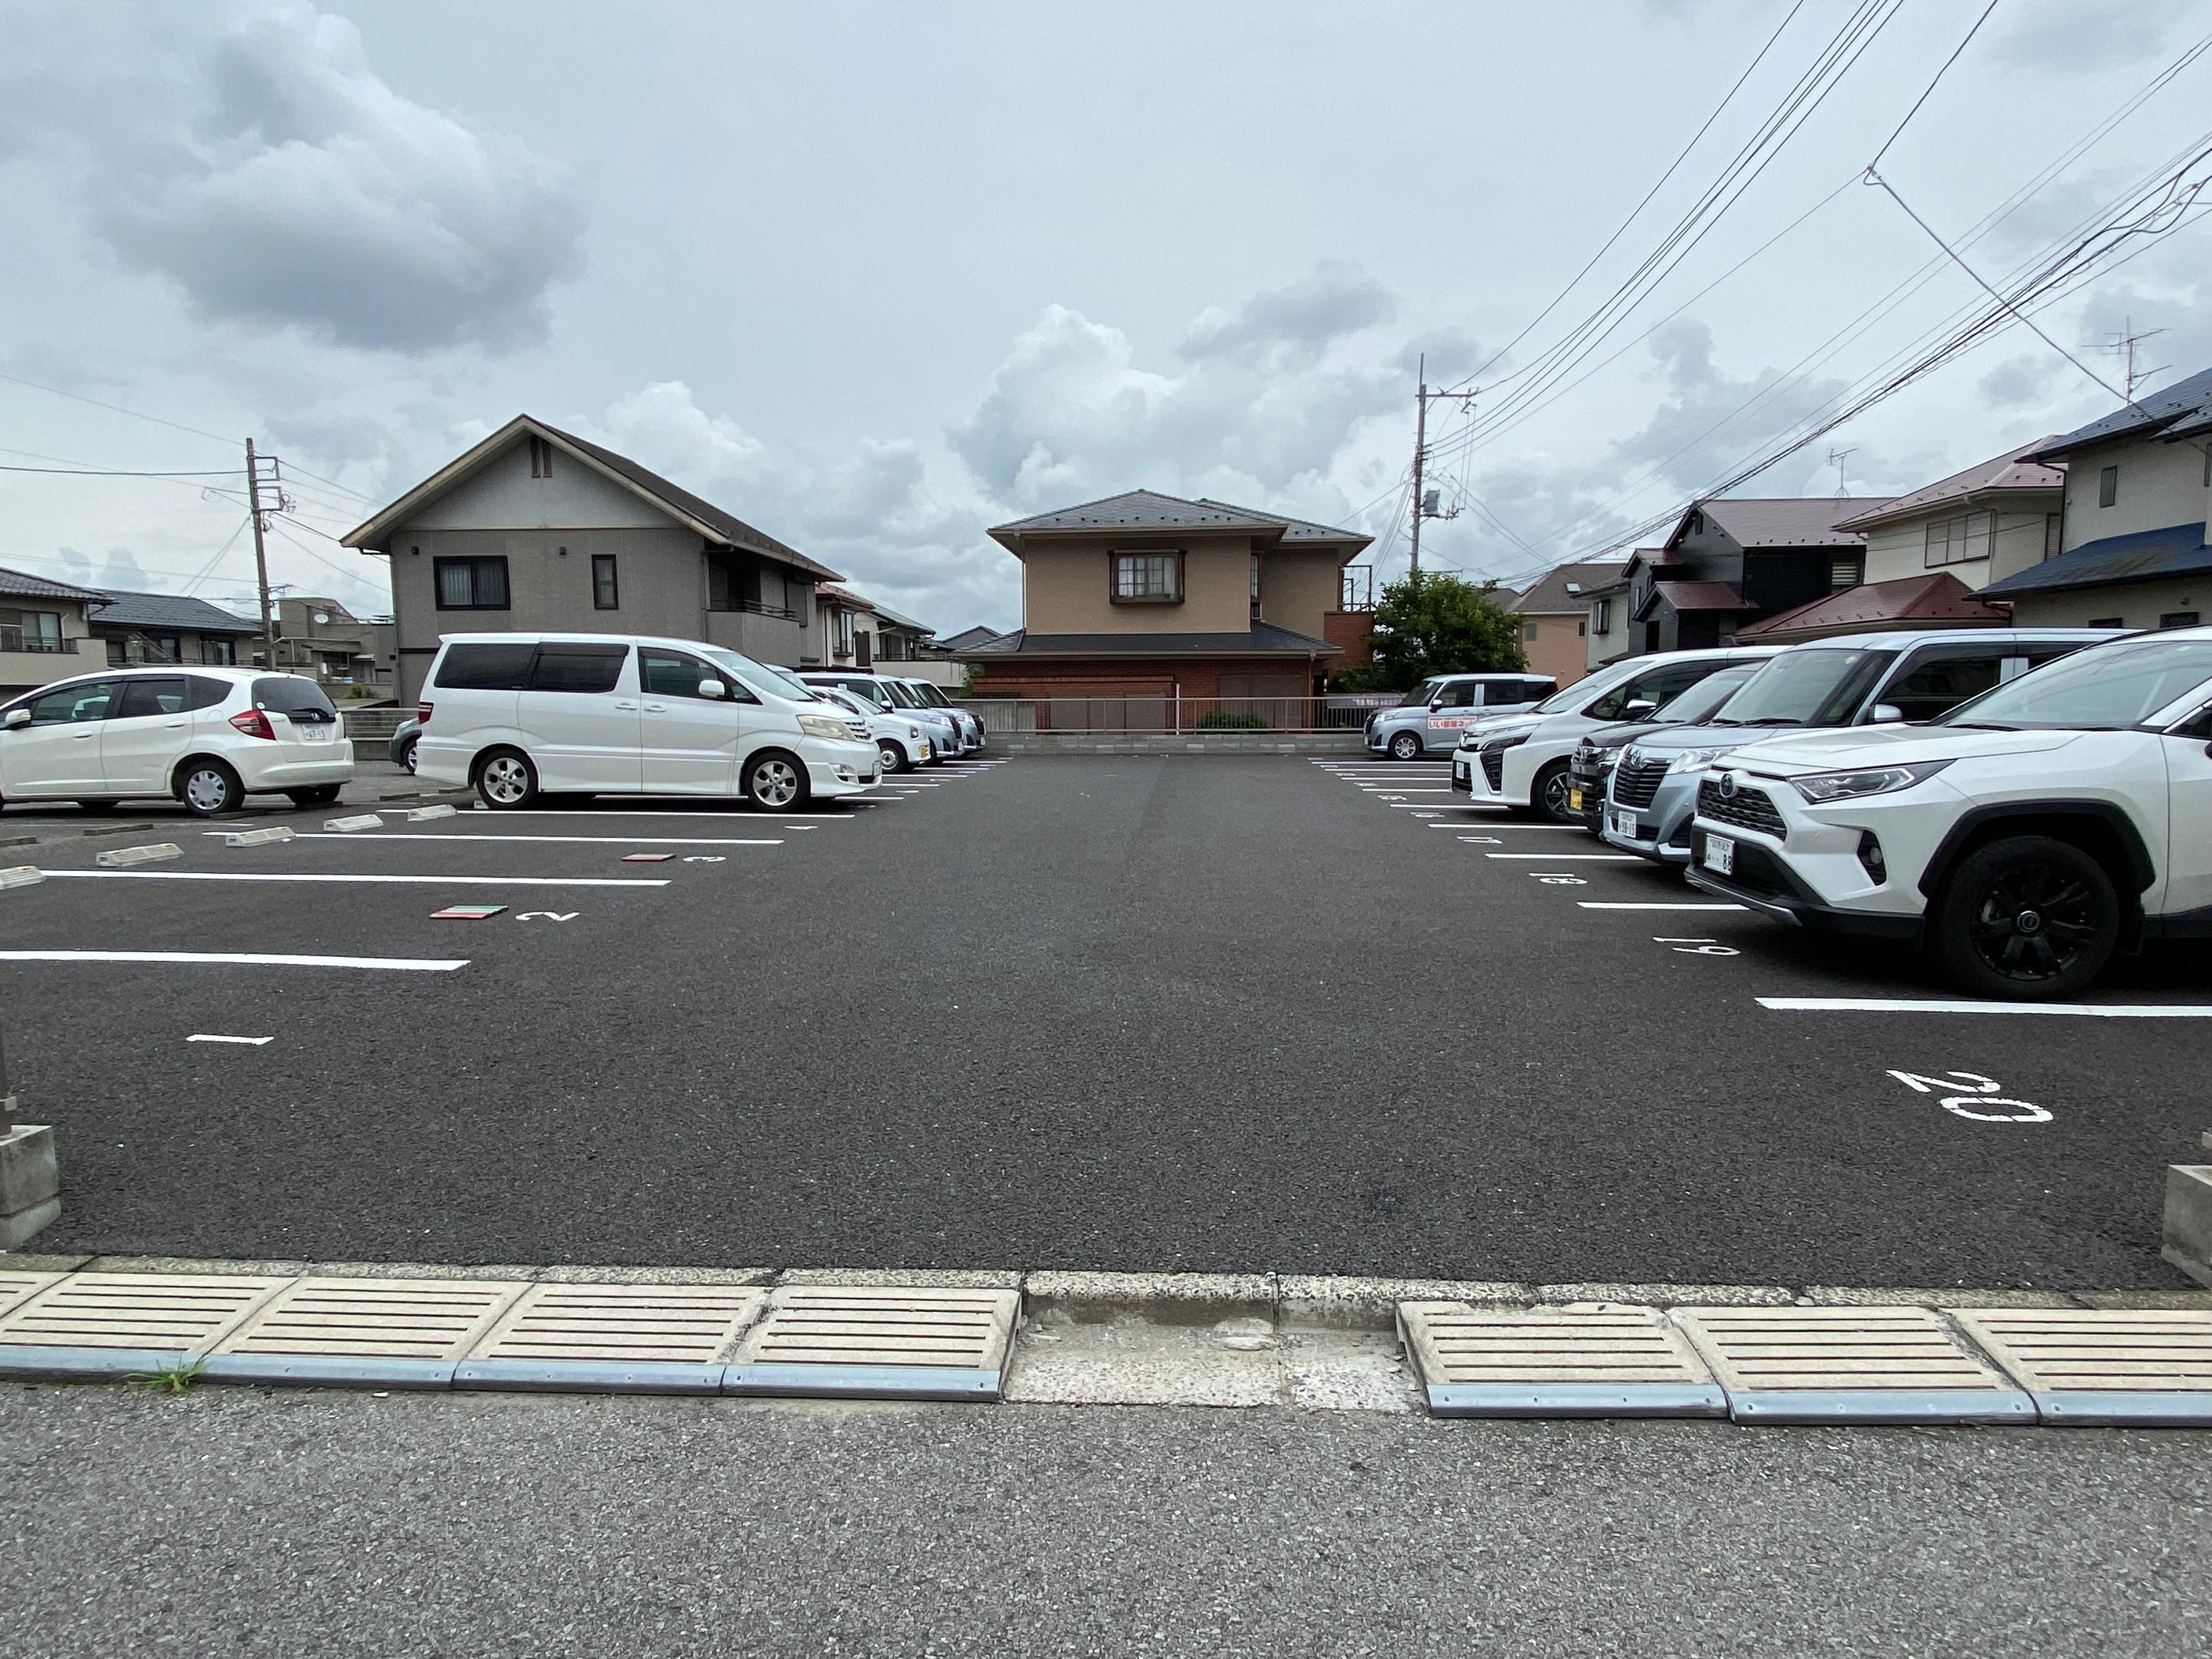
{"x": 254, "y": 724}
{"x": 422, "y": 713}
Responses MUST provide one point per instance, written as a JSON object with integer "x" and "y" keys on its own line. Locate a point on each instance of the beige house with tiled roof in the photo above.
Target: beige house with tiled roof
{"x": 1555, "y": 616}
{"x": 1980, "y": 524}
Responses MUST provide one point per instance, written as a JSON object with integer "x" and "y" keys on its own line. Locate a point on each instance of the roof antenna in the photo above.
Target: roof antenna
{"x": 1836, "y": 458}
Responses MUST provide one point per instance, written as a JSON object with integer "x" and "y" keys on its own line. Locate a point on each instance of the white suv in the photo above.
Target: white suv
{"x": 206, "y": 737}
{"x": 2022, "y": 838}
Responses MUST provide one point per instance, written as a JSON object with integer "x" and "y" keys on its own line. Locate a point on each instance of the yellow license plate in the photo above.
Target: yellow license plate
{"x": 1574, "y": 800}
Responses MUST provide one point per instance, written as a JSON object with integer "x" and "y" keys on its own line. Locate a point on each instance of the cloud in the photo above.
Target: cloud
{"x": 1288, "y": 327}
{"x": 2075, "y": 37}
{"x": 2017, "y": 382}
{"x": 119, "y": 573}
{"x": 255, "y": 159}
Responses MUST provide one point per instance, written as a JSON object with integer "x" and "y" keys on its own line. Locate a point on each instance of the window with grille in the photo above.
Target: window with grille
{"x": 1955, "y": 541}
{"x": 541, "y": 458}
{"x": 1845, "y": 572}
{"x": 2108, "y": 486}
{"x": 1147, "y": 578}
{"x": 471, "y": 584}
{"x": 605, "y": 596}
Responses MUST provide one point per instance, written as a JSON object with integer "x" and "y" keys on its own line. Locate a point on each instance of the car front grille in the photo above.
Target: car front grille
{"x": 1493, "y": 768}
{"x": 1637, "y": 787}
{"x": 1748, "y": 809}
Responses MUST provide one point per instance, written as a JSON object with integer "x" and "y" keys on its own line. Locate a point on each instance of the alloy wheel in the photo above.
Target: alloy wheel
{"x": 1405, "y": 747}
{"x": 2033, "y": 922}
{"x": 775, "y": 783}
{"x": 505, "y": 781}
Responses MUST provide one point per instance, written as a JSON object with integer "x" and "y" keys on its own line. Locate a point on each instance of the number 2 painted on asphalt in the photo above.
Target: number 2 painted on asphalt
{"x": 1696, "y": 947}
{"x": 1964, "y": 1094}
{"x": 1563, "y": 881}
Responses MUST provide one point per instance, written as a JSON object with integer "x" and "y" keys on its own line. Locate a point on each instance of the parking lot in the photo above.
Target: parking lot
{"x": 1277, "y": 1012}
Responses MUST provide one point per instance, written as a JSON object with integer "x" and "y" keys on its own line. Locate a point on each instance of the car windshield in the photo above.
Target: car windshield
{"x": 1806, "y": 688}
{"x": 1574, "y": 697}
{"x": 902, "y": 695}
{"x": 930, "y": 696}
{"x": 799, "y": 688}
{"x": 1703, "y": 701}
{"x": 748, "y": 672}
{"x": 1419, "y": 695}
{"x": 2105, "y": 689}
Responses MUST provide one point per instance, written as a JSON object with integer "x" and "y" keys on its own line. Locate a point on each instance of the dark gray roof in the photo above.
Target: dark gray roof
{"x": 2147, "y": 556}
{"x": 1547, "y": 596}
{"x": 968, "y": 638}
{"x": 170, "y": 610}
{"x": 1790, "y": 521}
{"x": 1143, "y": 509}
{"x": 1265, "y": 638}
{"x": 17, "y": 585}
{"x": 2181, "y": 410}
{"x": 1294, "y": 530}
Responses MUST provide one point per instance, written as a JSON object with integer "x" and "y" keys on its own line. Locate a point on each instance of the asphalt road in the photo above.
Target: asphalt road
{"x": 246, "y": 1524}
{"x": 1209, "y": 1013}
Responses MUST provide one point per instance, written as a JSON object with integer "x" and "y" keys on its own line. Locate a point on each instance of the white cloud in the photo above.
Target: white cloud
{"x": 2073, "y": 36}
{"x": 250, "y": 156}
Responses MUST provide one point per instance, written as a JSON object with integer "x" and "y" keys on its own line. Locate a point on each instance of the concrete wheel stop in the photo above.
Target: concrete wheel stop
{"x": 30, "y": 1170}
{"x": 2186, "y": 1236}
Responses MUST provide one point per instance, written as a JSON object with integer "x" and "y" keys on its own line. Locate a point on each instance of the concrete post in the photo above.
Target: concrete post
{"x": 2187, "y": 1233}
{"x": 30, "y": 1173}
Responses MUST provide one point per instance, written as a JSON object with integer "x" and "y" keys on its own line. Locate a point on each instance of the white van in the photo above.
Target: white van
{"x": 518, "y": 715}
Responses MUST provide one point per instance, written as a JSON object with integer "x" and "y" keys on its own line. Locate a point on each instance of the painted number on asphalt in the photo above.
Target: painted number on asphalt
{"x": 717, "y": 858}
{"x": 548, "y": 916}
{"x": 1696, "y": 947}
{"x": 1563, "y": 881}
{"x": 1971, "y": 1095}
{"x": 1483, "y": 841}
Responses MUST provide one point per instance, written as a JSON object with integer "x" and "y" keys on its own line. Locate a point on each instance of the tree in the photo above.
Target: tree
{"x": 1430, "y": 625}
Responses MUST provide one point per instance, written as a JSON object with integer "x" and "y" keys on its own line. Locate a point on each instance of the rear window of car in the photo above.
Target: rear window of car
{"x": 287, "y": 693}
{"x": 486, "y": 667}
{"x": 201, "y": 692}
{"x": 577, "y": 667}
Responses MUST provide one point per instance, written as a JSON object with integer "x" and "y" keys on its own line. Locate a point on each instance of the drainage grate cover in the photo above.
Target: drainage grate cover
{"x": 16, "y": 1287}
{"x": 660, "y": 1339}
{"x": 1848, "y": 1365}
{"x": 1607, "y": 1361}
{"x": 2100, "y": 1367}
{"x": 383, "y": 1331}
{"x": 115, "y": 1324}
{"x": 879, "y": 1341}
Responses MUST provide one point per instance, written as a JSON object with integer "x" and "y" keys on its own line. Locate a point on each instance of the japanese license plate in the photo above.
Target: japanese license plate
{"x": 1720, "y": 855}
{"x": 315, "y": 733}
{"x": 1574, "y": 800}
{"x": 1621, "y": 822}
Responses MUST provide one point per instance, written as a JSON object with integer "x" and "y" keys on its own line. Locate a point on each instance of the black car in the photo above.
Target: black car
{"x": 1591, "y": 770}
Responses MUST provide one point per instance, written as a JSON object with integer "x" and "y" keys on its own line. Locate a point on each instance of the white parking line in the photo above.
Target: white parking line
{"x": 616, "y": 817}
{"x": 595, "y": 841}
{"x": 1572, "y": 858}
{"x": 420, "y": 881}
{"x": 1511, "y": 826}
{"x": 1478, "y": 808}
{"x": 237, "y": 959}
{"x": 252, "y": 1043}
{"x": 1912, "y": 1005}
{"x": 1594, "y": 904}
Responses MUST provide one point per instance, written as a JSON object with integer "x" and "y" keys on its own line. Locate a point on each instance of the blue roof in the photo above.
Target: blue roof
{"x": 2184, "y": 407}
{"x": 2178, "y": 549}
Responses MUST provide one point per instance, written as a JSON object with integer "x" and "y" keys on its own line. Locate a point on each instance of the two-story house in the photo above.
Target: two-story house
{"x": 1148, "y": 597}
{"x": 1730, "y": 562}
{"x": 1555, "y": 616}
{"x": 2133, "y": 551}
{"x": 534, "y": 528}
{"x": 323, "y": 640}
{"x": 45, "y": 634}
{"x": 164, "y": 628}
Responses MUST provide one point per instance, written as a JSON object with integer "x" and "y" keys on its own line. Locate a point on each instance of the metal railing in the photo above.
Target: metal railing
{"x": 1177, "y": 715}
{"x": 13, "y": 638}
{"x": 374, "y": 724}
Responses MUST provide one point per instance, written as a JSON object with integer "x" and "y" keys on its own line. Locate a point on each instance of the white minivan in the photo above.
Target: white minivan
{"x": 518, "y": 715}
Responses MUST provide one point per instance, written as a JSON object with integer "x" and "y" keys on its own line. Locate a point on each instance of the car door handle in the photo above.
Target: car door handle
{"x": 656, "y": 708}
{"x": 625, "y": 705}
{"x": 175, "y": 726}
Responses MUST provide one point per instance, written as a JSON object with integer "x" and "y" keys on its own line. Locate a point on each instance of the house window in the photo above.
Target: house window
{"x": 471, "y": 584}
{"x": 1845, "y": 572}
{"x": 843, "y": 630}
{"x": 2108, "y": 486}
{"x": 1582, "y": 631}
{"x": 1147, "y": 578}
{"x": 164, "y": 648}
{"x": 1255, "y": 587}
{"x": 1602, "y": 615}
{"x": 2178, "y": 619}
{"x": 116, "y": 656}
{"x": 605, "y": 594}
{"x": 223, "y": 653}
{"x": 541, "y": 458}
{"x": 1528, "y": 630}
{"x": 1955, "y": 541}
{"x": 31, "y": 630}
{"x": 2053, "y": 534}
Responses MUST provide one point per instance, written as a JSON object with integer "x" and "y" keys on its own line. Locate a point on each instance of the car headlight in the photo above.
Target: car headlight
{"x": 1604, "y": 756}
{"x": 821, "y": 725}
{"x": 1697, "y": 760}
{"x": 1494, "y": 744}
{"x": 1873, "y": 780}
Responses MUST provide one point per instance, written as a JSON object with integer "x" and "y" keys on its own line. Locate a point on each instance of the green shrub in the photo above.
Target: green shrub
{"x": 1220, "y": 720}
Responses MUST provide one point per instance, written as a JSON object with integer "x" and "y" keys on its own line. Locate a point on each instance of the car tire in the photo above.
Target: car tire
{"x": 1547, "y": 795}
{"x": 323, "y": 794}
{"x": 1406, "y": 746}
{"x": 505, "y": 780}
{"x": 2027, "y": 918}
{"x": 777, "y": 781}
{"x": 209, "y": 788}
{"x": 407, "y": 756}
{"x": 894, "y": 756}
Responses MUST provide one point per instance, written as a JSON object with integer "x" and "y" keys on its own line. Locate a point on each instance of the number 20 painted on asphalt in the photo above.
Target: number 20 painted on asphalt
{"x": 1974, "y": 1094}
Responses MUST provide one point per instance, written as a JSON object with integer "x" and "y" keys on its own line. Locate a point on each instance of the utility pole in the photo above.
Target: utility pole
{"x": 260, "y": 557}
{"x": 1425, "y": 505}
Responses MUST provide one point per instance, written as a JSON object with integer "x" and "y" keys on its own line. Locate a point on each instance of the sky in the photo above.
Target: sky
{"x": 876, "y": 277}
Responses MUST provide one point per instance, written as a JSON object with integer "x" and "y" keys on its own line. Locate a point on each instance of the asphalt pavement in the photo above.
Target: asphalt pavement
{"x": 235, "y": 1521}
{"x": 1205, "y": 1013}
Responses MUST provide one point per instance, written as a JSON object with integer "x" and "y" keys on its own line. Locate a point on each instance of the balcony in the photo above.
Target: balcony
{"x": 14, "y": 641}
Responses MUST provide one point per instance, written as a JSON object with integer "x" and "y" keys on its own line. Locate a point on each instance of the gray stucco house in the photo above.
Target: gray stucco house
{"x": 136, "y": 629}
{"x": 535, "y": 528}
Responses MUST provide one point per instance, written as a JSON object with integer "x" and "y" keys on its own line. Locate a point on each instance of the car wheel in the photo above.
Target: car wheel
{"x": 209, "y": 789}
{"x": 1405, "y": 746}
{"x": 2026, "y": 917}
{"x": 777, "y": 781}
{"x": 100, "y": 806}
{"x": 1548, "y": 794}
{"x": 407, "y": 758}
{"x": 323, "y": 794}
{"x": 505, "y": 780}
{"x": 894, "y": 756}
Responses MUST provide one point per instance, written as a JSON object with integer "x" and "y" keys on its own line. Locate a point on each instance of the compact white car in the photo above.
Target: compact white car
{"x": 206, "y": 737}
{"x": 1528, "y": 763}
{"x": 2022, "y": 838}
{"x": 903, "y": 744}
{"x": 517, "y": 714}
{"x": 892, "y": 696}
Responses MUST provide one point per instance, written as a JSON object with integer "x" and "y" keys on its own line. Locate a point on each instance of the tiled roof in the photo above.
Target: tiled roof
{"x": 2006, "y": 472}
{"x": 2147, "y": 556}
{"x": 2184, "y": 407}
{"x": 1938, "y": 597}
{"x": 18, "y": 583}
{"x": 1296, "y": 530}
{"x": 1789, "y": 521}
{"x": 1265, "y": 638}
{"x": 968, "y": 638}
{"x": 1566, "y": 588}
{"x": 1147, "y": 509}
{"x": 1687, "y": 596}
{"x": 170, "y": 610}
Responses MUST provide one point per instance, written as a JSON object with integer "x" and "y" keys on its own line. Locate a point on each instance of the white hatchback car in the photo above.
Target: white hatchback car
{"x": 206, "y": 737}
{"x": 2022, "y": 838}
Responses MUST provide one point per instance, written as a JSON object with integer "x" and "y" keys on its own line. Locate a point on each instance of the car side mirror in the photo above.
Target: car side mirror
{"x": 1639, "y": 709}
{"x": 1887, "y": 714}
{"x": 15, "y": 717}
{"x": 1435, "y": 703}
{"x": 710, "y": 688}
